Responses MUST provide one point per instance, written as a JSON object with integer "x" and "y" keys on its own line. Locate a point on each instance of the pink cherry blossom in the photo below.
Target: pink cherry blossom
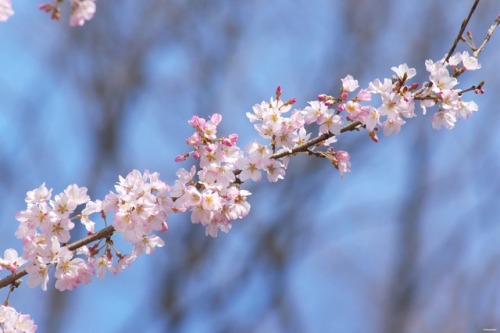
{"x": 38, "y": 274}
{"x": 470, "y": 62}
{"x": 349, "y": 84}
{"x": 147, "y": 244}
{"x": 102, "y": 265}
{"x": 443, "y": 118}
{"x": 11, "y": 260}
{"x": 5, "y": 10}
{"x": 275, "y": 170}
{"x": 38, "y": 195}
{"x": 403, "y": 71}
{"x": 81, "y": 11}
{"x": 12, "y": 321}
{"x": 315, "y": 112}
{"x": 90, "y": 208}
{"x": 332, "y": 123}
{"x": 343, "y": 163}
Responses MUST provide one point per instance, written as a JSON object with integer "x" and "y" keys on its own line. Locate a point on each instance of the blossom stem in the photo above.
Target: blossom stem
{"x": 487, "y": 37}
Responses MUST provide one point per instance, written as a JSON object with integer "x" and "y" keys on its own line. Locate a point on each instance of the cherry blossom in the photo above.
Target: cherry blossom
{"x": 81, "y": 11}
{"x": 11, "y": 260}
{"x": 12, "y": 321}
{"x": 6, "y": 10}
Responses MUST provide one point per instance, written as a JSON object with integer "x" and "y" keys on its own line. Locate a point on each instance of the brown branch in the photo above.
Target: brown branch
{"x": 461, "y": 31}
{"x": 101, "y": 234}
{"x": 306, "y": 145}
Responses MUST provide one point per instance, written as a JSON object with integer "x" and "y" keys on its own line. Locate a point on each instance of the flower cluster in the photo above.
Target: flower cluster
{"x": 139, "y": 207}
{"x": 286, "y": 133}
{"x": 215, "y": 198}
{"x": 398, "y": 98}
{"x": 441, "y": 90}
{"x": 12, "y": 321}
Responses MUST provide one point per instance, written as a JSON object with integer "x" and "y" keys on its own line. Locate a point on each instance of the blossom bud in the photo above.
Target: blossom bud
{"x": 46, "y": 7}
{"x": 278, "y": 92}
{"x": 291, "y": 101}
{"x": 373, "y": 135}
{"x": 182, "y": 157}
{"x": 329, "y": 102}
{"x": 230, "y": 140}
{"x": 164, "y": 226}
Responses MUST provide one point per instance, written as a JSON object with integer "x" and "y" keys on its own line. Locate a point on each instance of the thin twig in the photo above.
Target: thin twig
{"x": 461, "y": 31}
{"x": 488, "y": 36}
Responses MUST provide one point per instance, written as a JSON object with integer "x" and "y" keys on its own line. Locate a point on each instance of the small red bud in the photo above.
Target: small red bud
{"x": 322, "y": 97}
{"x": 278, "y": 92}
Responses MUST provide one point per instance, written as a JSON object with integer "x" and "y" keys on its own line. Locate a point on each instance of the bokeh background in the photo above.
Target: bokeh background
{"x": 407, "y": 242}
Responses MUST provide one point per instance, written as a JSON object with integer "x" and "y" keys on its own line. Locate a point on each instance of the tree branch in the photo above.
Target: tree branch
{"x": 487, "y": 37}
{"x": 306, "y": 145}
{"x": 461, "y": 31}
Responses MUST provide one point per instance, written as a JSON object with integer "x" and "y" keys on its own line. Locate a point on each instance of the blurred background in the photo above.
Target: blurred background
{"x": 406, "y": 242}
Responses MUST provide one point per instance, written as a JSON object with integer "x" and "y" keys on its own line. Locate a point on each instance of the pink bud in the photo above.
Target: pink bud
{"x": 164, "y": 226}
{"x": 210, "y": 148}
{"x": 342, "y": 155}
{"x": 344, "y": 95}
{"x": 226, "y": 142}
{"x": 231, "y": 140}
{"x": 182, "y": 157}
{"x": 46, "y": 7}
{"x": 291, "y": 101}
{"x": 233, "y": 137}
{"x": 322, "y": 97}
{"x": 278, "y": 91}
{"x": 373, "y": 135}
